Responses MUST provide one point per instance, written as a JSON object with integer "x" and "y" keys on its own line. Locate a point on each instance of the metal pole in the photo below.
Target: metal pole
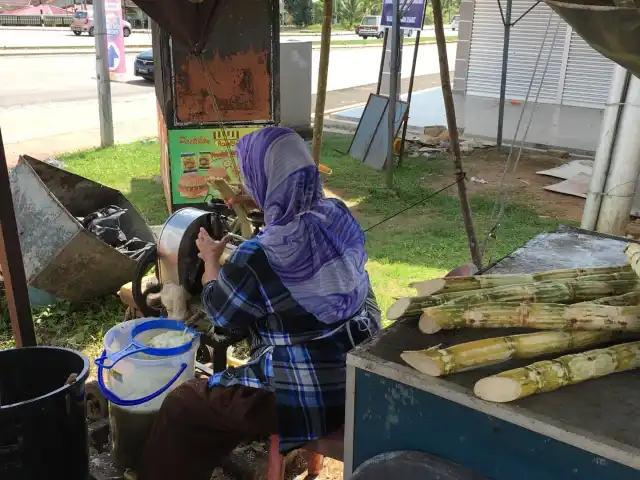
{"x": 503, "y": 80}
{"x": 323, "y": 73}
{"x": 15, "y": 280}
{"x": 620, "y": 186}
{"x": 393, "y": 90}
{"x": 102, "y": 74}
{"x": 606, "y": 143}
{"x": 409, "y": 95}
{"x": 453, "y": 133}
{"x": 384, "y": 49}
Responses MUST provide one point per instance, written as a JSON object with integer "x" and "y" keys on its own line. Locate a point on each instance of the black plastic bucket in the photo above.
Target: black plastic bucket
{"x": 43, "y": 426}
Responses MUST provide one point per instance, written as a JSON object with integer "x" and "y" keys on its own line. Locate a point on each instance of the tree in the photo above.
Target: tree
{"x": 350, "y": 12}
{"x": 301, "y": 11}
{"x": 372, "y": 7}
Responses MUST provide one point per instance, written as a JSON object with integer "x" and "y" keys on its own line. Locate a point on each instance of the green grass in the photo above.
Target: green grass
{"x": 425, "y": 242}
{"x": 129, "y": 168}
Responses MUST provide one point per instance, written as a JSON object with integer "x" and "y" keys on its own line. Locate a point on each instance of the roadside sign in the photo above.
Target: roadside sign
{"x": 197, "y": 156}
{"x": 115, "y": 36}
{"x": 412, "y": 18}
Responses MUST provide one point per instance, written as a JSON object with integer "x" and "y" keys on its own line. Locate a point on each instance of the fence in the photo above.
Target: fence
{"x": 36, "y": 20}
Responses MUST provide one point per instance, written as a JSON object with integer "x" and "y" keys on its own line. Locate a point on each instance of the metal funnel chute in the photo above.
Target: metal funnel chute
{"x": 612, "y": 27}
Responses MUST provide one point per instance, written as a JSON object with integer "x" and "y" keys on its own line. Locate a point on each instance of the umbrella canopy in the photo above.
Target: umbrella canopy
{"x": 612, "y": 27}
{"x": 188, "y": 21}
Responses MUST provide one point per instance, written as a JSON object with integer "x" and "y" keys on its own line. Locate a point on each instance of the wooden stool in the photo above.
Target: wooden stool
{"x": 331, "y": 446}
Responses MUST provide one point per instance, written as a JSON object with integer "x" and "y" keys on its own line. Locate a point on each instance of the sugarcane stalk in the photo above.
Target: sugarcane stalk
{"x": 559, "y": 291}
{"x": 460, "y": 284}
{"x": 437, "y": 361}
{"x": 632, "y": 251}
{"x": 227, "y": 193}
{"x": 542, "y": 316}
{"x": 631, "y": 299}
{"x": 549, "y": 375}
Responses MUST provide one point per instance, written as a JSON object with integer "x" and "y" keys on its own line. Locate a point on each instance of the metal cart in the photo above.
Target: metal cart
{"x": 586, "y": 431}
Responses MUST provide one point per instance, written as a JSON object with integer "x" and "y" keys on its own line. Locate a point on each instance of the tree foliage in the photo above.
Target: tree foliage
{"x": 301, "y": 11}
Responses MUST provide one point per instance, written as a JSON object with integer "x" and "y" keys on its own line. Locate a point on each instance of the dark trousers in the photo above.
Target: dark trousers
{"x": 197, "y": 426}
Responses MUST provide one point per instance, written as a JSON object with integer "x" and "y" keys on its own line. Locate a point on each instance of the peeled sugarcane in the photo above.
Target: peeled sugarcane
{"x": 461, "y": 284}
{"x": 436, "y": 361}
{"x": 227, "y": 193}
{"x": 632, "y": 251}
{"x": 542, "y": 316}
{"x": 631, "y": 299}
{"x": 549, "y": 375}
{"x": 559, "y": 291}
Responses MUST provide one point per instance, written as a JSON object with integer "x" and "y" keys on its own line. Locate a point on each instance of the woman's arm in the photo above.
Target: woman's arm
{"x": 231, "y": 294}
{"x": 233, "y": 300}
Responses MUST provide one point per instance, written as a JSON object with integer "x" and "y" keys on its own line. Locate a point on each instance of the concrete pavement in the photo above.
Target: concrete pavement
{"x": 48, "y": 105}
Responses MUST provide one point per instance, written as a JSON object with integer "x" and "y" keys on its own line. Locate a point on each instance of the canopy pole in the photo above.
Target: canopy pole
{"x": 505, "y": 63}
{"x": 393, "y": 92}
{"x": 620, "y": 186}
{"x": 15, "y": 280}
{"x": 608, "y": 131}
{"x": 454, "y": 140}
{"x": 323, "y": 73}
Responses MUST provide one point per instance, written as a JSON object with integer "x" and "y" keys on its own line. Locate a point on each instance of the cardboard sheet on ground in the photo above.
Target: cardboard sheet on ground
{"x": 569, "y": 170}
{"x": 578, "y": 186}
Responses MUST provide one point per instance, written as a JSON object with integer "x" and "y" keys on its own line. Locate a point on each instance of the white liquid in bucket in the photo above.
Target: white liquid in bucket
{"x": 170, "y": 339}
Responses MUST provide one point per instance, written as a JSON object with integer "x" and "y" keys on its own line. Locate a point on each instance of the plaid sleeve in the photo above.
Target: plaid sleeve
{"x": 234, "y": 301}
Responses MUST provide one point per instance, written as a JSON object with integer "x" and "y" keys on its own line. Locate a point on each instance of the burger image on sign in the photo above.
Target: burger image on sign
{"x": 192, "y": 185}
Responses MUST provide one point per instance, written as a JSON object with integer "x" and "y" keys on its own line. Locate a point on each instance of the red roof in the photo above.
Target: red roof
{"x": 35, "y": 10}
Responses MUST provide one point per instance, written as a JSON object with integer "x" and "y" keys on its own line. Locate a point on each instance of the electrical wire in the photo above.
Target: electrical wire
{"x": 462, "y": 177}
{"x": 500, "y": 203}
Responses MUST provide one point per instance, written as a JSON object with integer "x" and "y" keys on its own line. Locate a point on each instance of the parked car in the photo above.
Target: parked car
{"x": 83, "y": 23}
{"x": 454, "y": 22}
{"x": 143, "y": 66}
{"x": 371, "y": 26}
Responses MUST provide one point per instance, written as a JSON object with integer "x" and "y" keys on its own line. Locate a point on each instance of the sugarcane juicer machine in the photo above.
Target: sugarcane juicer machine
{"x": 175, "y": 290}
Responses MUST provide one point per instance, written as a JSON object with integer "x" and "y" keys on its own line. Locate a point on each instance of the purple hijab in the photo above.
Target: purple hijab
{"x": 313, "y": 244}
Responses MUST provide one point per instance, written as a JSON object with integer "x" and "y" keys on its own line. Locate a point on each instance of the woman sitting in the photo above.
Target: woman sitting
{"x": 301, "y": 290}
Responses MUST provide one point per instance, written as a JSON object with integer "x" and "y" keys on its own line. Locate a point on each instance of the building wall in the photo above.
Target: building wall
{"x": 566, "y": 78}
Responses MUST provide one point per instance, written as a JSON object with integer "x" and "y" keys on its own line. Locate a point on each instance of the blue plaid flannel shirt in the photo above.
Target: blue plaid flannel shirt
{"x": 300, "y": 359}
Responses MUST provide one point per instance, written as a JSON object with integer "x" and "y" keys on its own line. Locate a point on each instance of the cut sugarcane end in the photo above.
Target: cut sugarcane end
{"x": 417, "y": 360}
{"x": 498, "y": 389}
{"x": 429, "y": 287}
{"x": 428, "y": 325}
{"x": 398, "y": 309}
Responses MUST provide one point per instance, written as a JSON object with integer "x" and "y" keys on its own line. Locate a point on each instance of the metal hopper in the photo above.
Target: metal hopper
{"x": 612, "y": 27}
{"x": 60, "y": 256}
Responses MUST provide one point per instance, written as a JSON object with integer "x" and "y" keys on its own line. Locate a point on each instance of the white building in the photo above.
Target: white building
{"x": 575, "y": 87}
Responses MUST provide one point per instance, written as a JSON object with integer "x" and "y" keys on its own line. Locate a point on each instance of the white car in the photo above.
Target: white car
{"x": 455, "y": 21}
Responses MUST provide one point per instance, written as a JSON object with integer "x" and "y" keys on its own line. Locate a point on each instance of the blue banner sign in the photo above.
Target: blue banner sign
{"x": 413, "y": 13}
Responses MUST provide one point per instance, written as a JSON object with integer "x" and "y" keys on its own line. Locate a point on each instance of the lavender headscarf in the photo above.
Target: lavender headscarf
{"x": 314, "y": 244}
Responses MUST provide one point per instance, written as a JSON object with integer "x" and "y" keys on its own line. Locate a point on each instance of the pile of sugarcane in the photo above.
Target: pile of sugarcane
{"x": 574, "y": 308}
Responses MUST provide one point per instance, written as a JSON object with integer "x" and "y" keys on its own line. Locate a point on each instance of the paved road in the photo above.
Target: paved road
{"x": 44, "y": 99}
{"x": 65, "y": 38}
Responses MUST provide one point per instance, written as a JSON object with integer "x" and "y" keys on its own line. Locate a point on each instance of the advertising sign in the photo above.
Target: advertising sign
{"x": 199, "y": 156}
{"x": 115, "y": 36}
{"x": 412, "y": 18}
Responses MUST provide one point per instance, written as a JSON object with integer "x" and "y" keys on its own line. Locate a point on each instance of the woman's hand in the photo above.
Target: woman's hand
{"x": 210, "y": 253}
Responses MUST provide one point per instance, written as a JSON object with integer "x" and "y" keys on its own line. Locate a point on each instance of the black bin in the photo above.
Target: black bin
{"x": 43, "y": 426}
